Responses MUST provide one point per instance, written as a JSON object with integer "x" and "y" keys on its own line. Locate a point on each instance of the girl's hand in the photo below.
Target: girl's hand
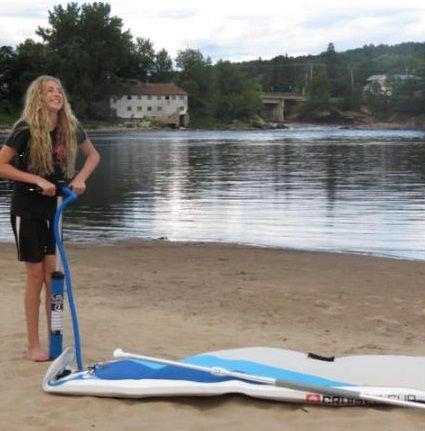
{"x": 78, "y": 186}
{"x": 47, "y": 188}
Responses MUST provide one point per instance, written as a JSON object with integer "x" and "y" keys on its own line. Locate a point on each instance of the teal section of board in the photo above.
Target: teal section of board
{"x": 258, "y": 369}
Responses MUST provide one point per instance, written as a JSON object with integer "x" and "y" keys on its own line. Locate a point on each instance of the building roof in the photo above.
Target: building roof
{"x": 401, "y": 77}
{"x": 377, "y": 78}
{"x": 153, "y": 89}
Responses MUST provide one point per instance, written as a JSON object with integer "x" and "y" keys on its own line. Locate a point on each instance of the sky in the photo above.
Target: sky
{"x": 242, "y": 30}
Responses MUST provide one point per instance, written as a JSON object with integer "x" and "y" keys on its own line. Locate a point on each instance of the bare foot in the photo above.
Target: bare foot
{"x": 37, "y": 354}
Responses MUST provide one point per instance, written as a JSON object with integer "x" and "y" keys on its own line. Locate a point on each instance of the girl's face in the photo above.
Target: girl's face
{"x": 52, "y": 95}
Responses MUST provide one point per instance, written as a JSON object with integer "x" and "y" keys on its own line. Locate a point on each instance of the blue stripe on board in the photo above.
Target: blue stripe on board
{"x": 255, "y": 368}
{"x": 138, "y": 370}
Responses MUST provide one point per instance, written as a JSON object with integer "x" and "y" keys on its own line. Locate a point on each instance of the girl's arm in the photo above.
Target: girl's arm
{"x": 8, "y": 171}
{"x": 78, "y": 184}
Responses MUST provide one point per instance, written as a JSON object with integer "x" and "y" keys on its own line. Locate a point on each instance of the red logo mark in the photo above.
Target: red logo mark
{"x": 313, "y": 398}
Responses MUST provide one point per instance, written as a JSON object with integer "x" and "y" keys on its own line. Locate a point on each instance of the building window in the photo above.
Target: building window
{"x": 149, "y": 97}
{"x": 129, "y": 108}
{"x": 181, "y": 108}
{"x": 181, "y": 97}
{"x": 159, "y": 108}
{"x": 173, "y": 97}
{"x": 149, "y": 108}
{"x": 158, "y": 97}
{"x": 139, "y": 108}
{"x": 167, "y": 97}
{"x": 129, "y": 97}
{"x": 139, "y": 97}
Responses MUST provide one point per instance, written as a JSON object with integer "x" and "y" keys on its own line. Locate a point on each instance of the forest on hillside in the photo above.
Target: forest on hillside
{"x": 88, "y": 49}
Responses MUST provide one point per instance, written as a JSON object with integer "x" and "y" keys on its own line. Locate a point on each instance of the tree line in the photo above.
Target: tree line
{"x": 343, "y": 75}
{"x": 88, "y": 49}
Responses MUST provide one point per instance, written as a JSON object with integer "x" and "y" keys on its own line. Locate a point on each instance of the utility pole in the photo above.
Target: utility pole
{"x": 305, "y": 83}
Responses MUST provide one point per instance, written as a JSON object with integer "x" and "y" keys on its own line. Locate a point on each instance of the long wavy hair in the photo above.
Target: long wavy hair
{"x": 36, "y": 114}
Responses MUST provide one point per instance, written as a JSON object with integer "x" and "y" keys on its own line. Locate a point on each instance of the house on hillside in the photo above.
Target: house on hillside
{"x": 164, "y": 103}
{"x": 382, "y": 85}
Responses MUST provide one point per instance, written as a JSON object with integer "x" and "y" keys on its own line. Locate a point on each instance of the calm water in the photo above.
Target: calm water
{"x": 304, "y": 188}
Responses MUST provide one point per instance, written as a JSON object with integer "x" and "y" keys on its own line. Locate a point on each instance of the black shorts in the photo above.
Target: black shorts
{"x": 34, "y": 238}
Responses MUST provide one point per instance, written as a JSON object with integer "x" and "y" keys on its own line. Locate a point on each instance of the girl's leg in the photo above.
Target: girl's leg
{"x": 34, "y": 285}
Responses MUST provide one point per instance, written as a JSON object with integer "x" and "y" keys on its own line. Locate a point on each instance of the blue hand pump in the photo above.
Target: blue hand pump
{"x": 57, "y": 286}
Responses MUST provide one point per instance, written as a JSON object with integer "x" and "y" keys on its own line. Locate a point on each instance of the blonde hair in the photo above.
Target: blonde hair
{"x": 36, "y": 114}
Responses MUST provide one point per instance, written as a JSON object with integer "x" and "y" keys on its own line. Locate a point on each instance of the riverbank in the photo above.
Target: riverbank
{"x": 347, "y": 120}
{"x": 343, "y": 119}
{"x": 175, "y": 299}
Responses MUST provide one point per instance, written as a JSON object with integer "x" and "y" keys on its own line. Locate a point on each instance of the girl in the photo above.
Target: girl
{"x": 41, "y": 152}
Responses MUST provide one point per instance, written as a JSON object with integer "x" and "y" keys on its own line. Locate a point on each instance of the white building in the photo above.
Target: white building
{"x": 382, "y": 85}
{"x": 164, "y": 103}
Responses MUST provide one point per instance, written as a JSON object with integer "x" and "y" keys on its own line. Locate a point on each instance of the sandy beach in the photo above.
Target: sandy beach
{"x": 177, "y": 299}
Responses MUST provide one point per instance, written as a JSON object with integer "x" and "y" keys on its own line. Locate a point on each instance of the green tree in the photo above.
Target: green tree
{"x": 331, "y": 62}
{"x": 318, "y": 95}
{"x": 7, "y": 61}
{"x": 408, "y": 95}
{"x": 237, "y": 96}
{"x": 353, "y": 97}
{"x": 89, "y": 51}
{"x": 32, "y": 60}
{"x": 196, "y": 77}
{"x": 163, "y": 67}
{"x": 148, "y": 65}
{"x": 339, "y": 74}
{"x": 143, "y": 59}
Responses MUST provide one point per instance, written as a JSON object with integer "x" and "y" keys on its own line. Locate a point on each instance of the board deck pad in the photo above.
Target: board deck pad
{"x": 392, "y": 376}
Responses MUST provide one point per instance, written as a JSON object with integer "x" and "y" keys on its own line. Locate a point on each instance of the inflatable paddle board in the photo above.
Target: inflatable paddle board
{"x": 261, "y": 372}
{"x": 252, "y": 371}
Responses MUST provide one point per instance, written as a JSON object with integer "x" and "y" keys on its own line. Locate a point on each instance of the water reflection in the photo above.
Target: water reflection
{"x": 312, "y": 188}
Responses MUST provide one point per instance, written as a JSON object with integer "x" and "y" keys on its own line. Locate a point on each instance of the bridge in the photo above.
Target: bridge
{"x": 274, "y": 104}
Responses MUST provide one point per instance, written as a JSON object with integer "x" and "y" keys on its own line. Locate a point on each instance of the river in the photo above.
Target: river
{"x": 306, "y": 187}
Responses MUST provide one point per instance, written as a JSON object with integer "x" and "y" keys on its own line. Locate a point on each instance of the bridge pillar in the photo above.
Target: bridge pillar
{"x": 274, "y": 107}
